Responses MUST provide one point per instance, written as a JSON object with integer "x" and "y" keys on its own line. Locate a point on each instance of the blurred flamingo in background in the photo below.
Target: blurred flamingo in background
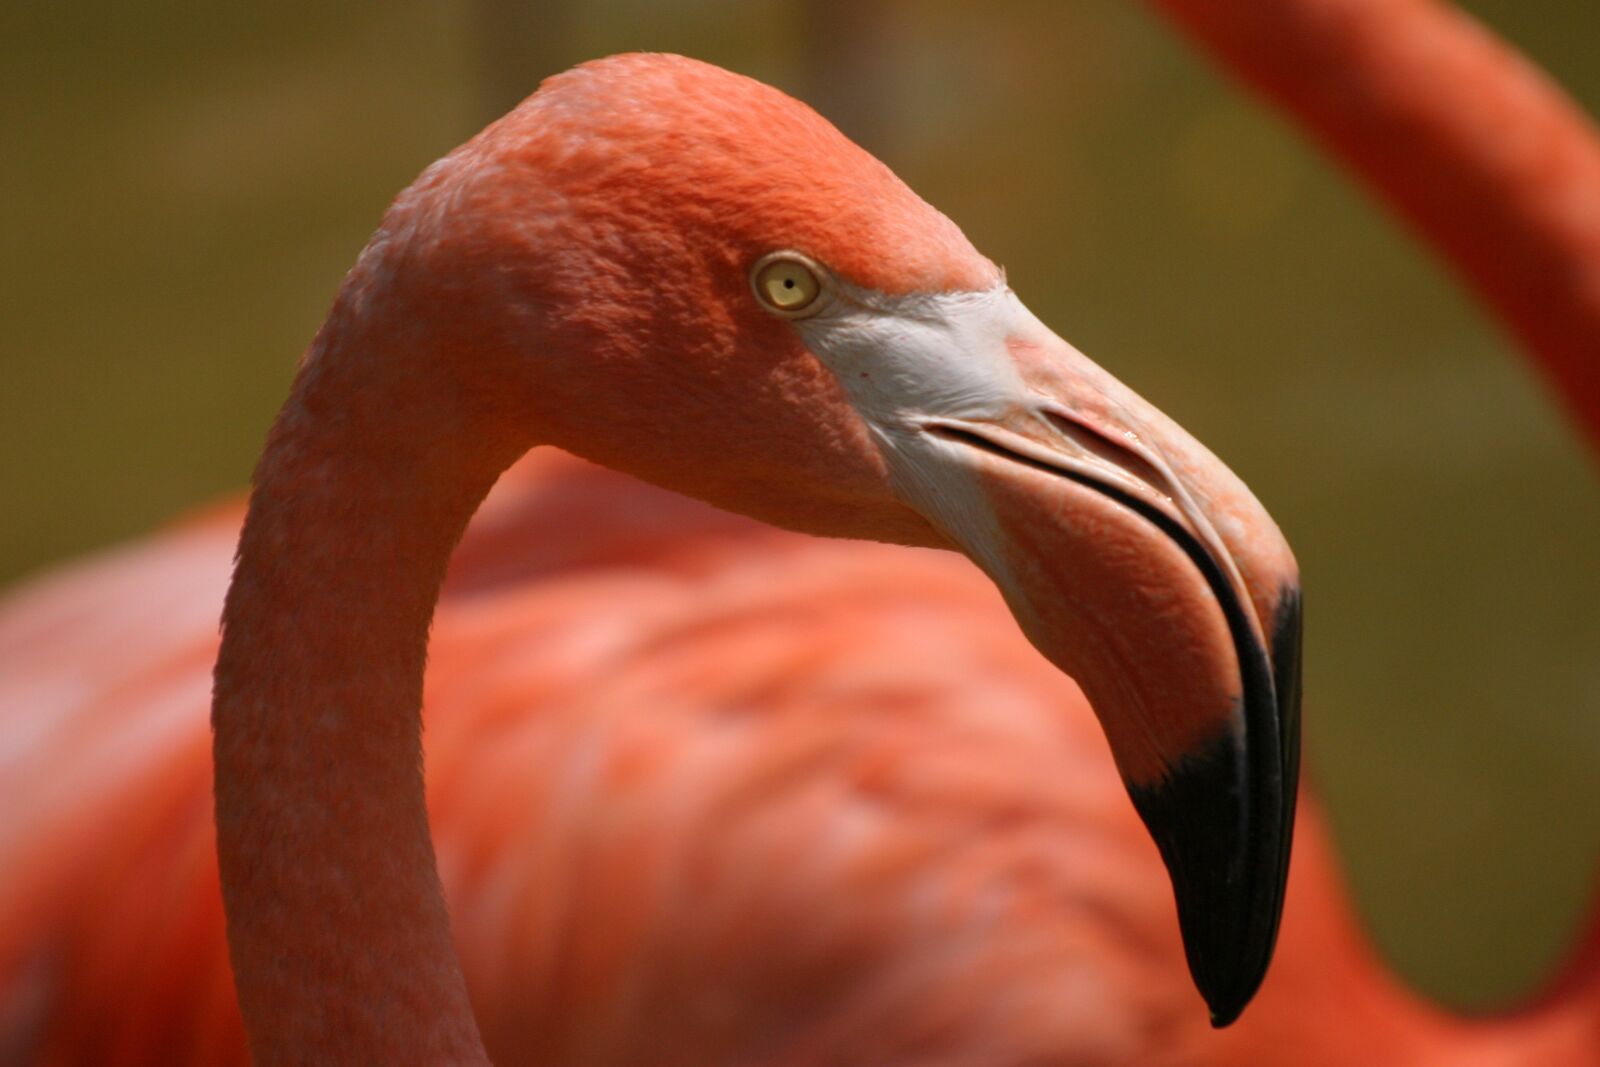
{"x": 1470, "y": 143}
{"x": 629, "y": 805}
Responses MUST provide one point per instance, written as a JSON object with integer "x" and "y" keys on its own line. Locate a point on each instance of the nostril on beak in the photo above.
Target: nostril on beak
{"x": 1113, "y": 452}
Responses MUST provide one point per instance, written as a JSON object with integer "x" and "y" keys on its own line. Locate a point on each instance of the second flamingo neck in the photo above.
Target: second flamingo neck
{"x": 1468, "y": 141}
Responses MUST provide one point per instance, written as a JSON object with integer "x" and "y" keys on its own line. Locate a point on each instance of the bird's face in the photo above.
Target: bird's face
{"x": 732, "y": 300}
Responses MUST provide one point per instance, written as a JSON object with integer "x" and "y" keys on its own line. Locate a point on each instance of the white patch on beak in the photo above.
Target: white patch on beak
{"x": 933, "y": 355}
{"x": 912, "y": 361}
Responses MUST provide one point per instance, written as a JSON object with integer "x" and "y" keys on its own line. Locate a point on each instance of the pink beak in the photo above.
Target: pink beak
{"x": 1140, "y": 565}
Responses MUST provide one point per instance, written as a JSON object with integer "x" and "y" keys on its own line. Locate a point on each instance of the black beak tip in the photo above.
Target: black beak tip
{"x": 1227, "y": 1000}
{"x": 1228, "y": 893}
{"x": 1223, "y": 820}
{"x": 1225, "y": 1018}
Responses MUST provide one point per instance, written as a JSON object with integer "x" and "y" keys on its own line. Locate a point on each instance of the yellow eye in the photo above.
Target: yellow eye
{"x": 787, "y": 283}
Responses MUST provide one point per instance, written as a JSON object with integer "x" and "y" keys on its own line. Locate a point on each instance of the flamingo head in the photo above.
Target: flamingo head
{"x": 685, "y": 274}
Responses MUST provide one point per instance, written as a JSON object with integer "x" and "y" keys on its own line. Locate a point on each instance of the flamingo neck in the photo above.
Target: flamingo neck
{"x": 339, "y": 935}
{"x": 1479, "y": 151}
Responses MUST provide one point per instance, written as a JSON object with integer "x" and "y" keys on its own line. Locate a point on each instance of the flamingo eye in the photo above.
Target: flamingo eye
{"x": 788, "y": 284}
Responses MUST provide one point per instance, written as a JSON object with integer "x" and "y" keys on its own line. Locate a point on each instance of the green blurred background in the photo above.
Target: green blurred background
{"x": 182, "y": 186}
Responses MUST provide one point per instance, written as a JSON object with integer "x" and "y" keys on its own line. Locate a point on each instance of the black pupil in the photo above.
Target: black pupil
{"x": 788, "y": 283}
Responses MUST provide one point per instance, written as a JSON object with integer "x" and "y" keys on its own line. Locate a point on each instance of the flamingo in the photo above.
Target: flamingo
{"x": 1322, "y": 961}
{"x": 685, "y": 274}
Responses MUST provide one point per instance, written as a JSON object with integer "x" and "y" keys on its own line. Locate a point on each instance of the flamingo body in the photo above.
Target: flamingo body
{"x": 803, "y": 802}
{"x": 783, "y": 809}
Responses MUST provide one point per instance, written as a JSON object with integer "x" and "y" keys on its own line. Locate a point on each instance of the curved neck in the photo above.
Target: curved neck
{"x": 1468, "y": 141}
{"x": 339, "y": 936}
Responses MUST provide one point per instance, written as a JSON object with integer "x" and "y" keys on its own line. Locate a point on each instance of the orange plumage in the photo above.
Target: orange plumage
{"x": 703, "y": 793}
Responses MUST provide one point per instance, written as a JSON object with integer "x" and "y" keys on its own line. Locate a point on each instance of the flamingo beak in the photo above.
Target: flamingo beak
{"x": 1132, "y": 558}
{"x": 1138, "y": 564}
